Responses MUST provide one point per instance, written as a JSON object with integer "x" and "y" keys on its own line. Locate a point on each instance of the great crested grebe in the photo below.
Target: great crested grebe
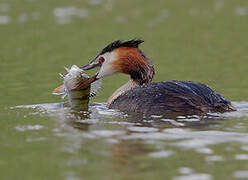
{"x": 141, "y": 95}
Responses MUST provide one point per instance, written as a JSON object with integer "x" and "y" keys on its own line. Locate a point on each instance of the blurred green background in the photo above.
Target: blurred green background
{"x": 202, "y": 41}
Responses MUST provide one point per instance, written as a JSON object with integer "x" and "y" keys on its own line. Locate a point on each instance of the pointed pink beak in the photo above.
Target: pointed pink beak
{"x": 91, "y": 65}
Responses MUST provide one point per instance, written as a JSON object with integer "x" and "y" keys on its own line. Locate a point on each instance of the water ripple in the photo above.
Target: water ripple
{"x": 194, "y": 177}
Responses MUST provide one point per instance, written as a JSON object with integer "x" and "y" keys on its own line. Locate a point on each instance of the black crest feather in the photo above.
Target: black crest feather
{"x": 117, "y": 44}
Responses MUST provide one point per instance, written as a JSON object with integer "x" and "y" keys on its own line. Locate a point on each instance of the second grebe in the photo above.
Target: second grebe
{"x": 140, "y": 95}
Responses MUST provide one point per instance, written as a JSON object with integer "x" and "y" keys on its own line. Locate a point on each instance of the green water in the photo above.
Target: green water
{"x": 203, "y": 41}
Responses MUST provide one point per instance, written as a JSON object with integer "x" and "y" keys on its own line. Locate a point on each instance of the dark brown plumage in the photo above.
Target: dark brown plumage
{"x": 179, "y": 97}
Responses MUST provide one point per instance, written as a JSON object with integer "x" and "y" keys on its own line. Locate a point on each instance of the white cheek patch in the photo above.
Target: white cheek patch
{"x": 105, "y": 71}
{"x": 107, "y": 68}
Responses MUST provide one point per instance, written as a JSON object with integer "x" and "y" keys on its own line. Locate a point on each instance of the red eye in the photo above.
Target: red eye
{"x": 101, "y": 60}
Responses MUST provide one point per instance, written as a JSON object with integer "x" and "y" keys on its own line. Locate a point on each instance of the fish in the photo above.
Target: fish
{"x": 78, "y": 98}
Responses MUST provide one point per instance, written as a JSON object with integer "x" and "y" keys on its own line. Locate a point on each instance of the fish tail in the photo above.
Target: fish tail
{"x": 59, "y": 90}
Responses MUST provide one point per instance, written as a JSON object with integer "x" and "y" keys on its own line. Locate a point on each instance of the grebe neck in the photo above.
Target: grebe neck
{"x": 129, "y": 85}
{"x": 133, "y": 62}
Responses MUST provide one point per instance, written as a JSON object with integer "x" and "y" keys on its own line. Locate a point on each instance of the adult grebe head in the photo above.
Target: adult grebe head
{"x": 122, "y": 57}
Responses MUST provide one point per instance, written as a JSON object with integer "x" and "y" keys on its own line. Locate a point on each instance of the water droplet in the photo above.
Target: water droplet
{"x": 185, "y": 170}
{"x": 241, "y": 156}
{"x": 142, "y": 129}
{"x": 245, "y": 148}
{"x": 214, "y": 158}
{"x": 204, "y": 150}
{"x": 4, "y": 19}
{"x": 28, "y": 127}
{"x": 241, "y": 11}
{"x": 194, "y": 177}
{"x": 240, "y": 174}
{"x": 161, "y": 154}
{"x": 22, "y": 18}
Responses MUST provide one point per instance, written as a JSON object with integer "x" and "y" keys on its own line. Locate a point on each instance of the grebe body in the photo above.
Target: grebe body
{"x": 163, "y": 98}
{"x": 140, "y": 95}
